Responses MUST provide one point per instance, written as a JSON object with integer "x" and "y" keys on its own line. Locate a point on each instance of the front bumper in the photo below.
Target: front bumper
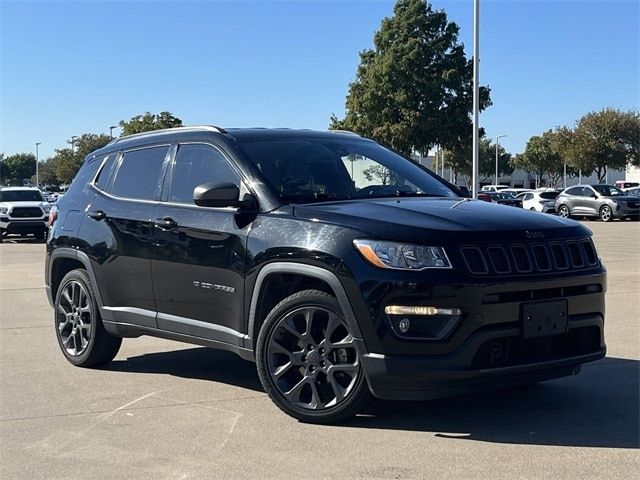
{"x": 23, "y": 226}
{"x": 474, "y": 367}
{"x": 624, "y": 211}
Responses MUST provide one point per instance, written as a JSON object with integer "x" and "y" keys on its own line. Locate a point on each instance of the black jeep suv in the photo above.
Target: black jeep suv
{"x": 339, "y": 267}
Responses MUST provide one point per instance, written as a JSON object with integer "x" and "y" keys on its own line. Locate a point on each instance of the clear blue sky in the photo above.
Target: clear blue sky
{"x": 75, "y": 67}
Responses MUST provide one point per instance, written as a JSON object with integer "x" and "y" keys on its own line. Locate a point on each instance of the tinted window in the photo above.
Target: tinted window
{"x": 103, "y": 177}
{"x": 314, "y": 169}
{"x": 549, "y": 195}
{"x": 197, "y": 164}
{"x": 528, "y": 196}
{"x": 608, "y": 190}
{"x": 20, "y": 196}
{"x": 139, "y": 173}
{"x": 574, "y": 191}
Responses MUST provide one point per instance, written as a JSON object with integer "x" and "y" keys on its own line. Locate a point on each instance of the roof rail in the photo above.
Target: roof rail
{"x": 152, "y": 133}
{"x": 346, "y": 132}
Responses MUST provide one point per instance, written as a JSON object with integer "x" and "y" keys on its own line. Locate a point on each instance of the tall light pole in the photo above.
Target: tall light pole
{"x": 476, "y": 96}
{"x": 111, "y": 130}
{"x": 497, "y": 147}
{"x": 37, "y": 155}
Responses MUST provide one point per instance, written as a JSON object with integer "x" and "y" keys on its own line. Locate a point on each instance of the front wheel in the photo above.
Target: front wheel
{"x": 308, "y": 362}
{"x": 564, "y": 212}
{"x": 606, "y": 214}
{"x": 81, "y": 335}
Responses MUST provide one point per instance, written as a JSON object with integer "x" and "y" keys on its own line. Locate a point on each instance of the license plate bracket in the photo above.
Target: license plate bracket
{"x": 543, "y": 319}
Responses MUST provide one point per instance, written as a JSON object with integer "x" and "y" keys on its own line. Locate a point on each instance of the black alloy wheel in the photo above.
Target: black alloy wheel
{"x": 308, "y": 361}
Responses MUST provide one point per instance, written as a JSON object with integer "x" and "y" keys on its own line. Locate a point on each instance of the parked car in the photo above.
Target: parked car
{"x": 605, "y": 201}
{"x": 505, "y": 199}
{"x": 635, "y": 191}
{"x": 516, "y": 191}
{"x": 623, "y": 184}
{"x": 339, "y": 285}
{"x": 23, "y": 211}
{"x": 539, "y": 201}
{"x": 493, "y": 188}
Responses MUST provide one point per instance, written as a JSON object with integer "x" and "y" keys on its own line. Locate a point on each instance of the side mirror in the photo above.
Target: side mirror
{"x": 220, "y": 195}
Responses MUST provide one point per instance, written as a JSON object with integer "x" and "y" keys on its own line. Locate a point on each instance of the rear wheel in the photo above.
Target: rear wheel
{"x": 81, "y": 335}
{"x": 606, "y": 214}
{"x": 564, "y": 212}
{"x": 308, "y": 362}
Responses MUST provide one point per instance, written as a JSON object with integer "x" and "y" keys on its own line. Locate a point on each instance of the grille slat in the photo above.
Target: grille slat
{"x": 546, "y": 257}
{"x": 26, "y": 212}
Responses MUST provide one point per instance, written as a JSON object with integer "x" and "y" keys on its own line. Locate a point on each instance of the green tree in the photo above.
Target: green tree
{"x": 542, "y": 156}
{"x": 46, "y": 172}
{"x": 18, "y": 168}
{"x": 66, "y": 164}
{"x": 413, "y": 90}
{"x": 148, "y": 122}
{"x": 601, "y": 140}
{"x": 88, "y": 142}
{"x": 460, "y": 159}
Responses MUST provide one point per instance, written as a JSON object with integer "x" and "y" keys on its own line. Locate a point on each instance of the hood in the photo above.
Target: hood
{"x": 23, "y": 204}
{"x": 451, "y": 220}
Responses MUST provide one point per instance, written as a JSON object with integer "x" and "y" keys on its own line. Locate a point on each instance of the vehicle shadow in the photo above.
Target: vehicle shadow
{"x": 597, "y": 408}
{"x": 600, "y": 407}
{"x": 199, "y": 363}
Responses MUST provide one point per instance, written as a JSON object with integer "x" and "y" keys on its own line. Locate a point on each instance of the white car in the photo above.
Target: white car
{"x": 494, "y": 188}
{"x": 23, "y": 211}
{"x": 539, "y": 200}
{"x": 516, "y": 191}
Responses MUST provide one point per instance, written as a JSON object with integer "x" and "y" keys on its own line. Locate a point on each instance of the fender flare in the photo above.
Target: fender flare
{"x": 309, "y": 271}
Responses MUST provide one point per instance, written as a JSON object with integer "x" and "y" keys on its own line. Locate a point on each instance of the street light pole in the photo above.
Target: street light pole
{"x": 476, "y": 96}
{"x": 37, "y": 155}
{"x": 497, "y": 147}
{"x": 73, "y": 140}
{"x": 111, "y": 130}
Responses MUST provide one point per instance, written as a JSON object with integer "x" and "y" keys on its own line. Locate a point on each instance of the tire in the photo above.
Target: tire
{"x": 78, "y": 322}
{"x": 300, "y": 362}
{"x": 564, "y": 212}
{"x": 606, "y": 214}
{"x": 1, "y": 235}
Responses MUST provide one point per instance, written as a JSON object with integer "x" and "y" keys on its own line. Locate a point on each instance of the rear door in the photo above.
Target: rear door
{"x": 120, "y": 228}
{"x": 199, "y": 253}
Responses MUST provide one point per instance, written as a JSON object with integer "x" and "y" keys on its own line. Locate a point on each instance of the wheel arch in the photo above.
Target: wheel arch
{"x": 305, "y": 276}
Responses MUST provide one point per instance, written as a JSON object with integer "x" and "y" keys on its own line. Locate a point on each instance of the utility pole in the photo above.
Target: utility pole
{"x": 497, "y": 147}
{"x": 476, "y": 96}
{"x": 37, "y": 158}
{"x": 565, "y": 175}
{"x": 111, "y": 130}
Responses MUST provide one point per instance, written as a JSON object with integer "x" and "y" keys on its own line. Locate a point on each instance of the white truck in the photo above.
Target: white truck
{"x": 23, "y": 211}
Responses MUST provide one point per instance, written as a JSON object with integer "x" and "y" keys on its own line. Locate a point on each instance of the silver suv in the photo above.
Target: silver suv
{"x": 604, "y": 201}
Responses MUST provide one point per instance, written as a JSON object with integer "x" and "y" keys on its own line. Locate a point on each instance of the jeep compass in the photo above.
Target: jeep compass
{"x": 344, "y": 270}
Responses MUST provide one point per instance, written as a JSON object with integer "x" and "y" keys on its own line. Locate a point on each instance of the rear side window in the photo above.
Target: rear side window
{"x": 574, "y": 191}
{"x": 548, "y": 195}
{"x": 139, "y": 173}
{"x": 105, "y": 173}
{"x": 196, "y": 164}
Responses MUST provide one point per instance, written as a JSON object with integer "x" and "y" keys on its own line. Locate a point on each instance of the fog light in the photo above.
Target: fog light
{"x": 404, "y": 325}
{"x": 422, "y": 322}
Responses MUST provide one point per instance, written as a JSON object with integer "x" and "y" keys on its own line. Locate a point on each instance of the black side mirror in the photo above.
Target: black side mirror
{"x": 221, "y": 195}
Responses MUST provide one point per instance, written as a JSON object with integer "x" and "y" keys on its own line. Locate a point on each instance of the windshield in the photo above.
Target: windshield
{"x": 303, "y": 170}
{"x": 608, "y": 190}
{"x": 20, "y": 196}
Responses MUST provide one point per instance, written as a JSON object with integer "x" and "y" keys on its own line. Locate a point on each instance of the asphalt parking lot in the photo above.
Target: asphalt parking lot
{"x": 169, "y": 410}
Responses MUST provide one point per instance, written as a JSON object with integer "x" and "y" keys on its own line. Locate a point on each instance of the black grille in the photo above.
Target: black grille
{"x": 26, "y": 212}
{"x": 539, "y": 257}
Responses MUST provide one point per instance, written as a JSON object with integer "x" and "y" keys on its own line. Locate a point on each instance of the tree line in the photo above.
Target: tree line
{"x": 60, "y": 168}
{"x": 413, "y": 91}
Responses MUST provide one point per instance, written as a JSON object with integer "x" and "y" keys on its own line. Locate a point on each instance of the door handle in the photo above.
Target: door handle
{"x": 166, "y": 223}
{"x": 97, "y": 215}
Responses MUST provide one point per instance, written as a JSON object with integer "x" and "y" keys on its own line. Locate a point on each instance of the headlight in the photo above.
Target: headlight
{"x": 402, "y": 256}
{"x": 3, "y": 210}
{"x": 46, "y": 207}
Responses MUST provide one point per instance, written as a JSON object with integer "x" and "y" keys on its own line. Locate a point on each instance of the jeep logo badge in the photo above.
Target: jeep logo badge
{"x": 533, "y": 235}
